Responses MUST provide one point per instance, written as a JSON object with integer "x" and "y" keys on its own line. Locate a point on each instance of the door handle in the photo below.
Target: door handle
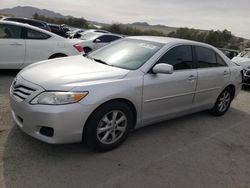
{"x": 226, "y": 73}
{"x": 16, "y": 44}
{"x": 191, "y": 78}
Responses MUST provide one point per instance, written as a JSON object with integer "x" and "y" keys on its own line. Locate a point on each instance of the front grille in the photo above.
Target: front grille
{"x": 22, "y": 92}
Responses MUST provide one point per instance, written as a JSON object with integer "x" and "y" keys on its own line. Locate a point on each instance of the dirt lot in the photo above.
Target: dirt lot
{"x": 193, "y": 151}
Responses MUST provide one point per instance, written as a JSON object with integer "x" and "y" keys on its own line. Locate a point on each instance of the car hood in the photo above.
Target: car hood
{"x": 244, "y": 62}
{"x": 67, "y": 73}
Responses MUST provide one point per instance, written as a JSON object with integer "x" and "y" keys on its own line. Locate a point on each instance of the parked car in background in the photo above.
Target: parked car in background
{"x": 93, "y": 40}
{"x": 36, "y": 23}
{"x": 74, "y": 34}
{"x": 243, "y": 59}
{"x": 229, "y": 52}
{"x": 243, "y": 52}
{"x": 23, "y": 44}
{"x": 130, "y": 83}
{"x": 79, "y": 34}
{"x": 96, "y": 30}
{"x": 59, "y": 29}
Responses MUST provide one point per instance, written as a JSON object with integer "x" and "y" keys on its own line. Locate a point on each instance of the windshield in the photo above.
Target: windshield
{"x": 127, "y": 53}
{"x": 90, "y": 36}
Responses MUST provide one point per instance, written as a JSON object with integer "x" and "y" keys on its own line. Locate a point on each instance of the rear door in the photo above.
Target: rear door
{"x": 213, "y": 76}
{"x": 12, "y": 47}
{"x": 37, "y": 46}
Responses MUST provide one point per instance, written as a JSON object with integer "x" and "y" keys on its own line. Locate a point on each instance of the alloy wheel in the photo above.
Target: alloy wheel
{"x": 224, "y": 101}
{"x": 111, "y": 127}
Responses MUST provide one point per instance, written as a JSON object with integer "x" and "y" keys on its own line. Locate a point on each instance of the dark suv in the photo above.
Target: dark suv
{"x": 36, "y": 23}
{"x": 59, "y": 29}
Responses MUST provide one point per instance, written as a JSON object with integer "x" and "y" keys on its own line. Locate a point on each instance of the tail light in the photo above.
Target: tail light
{"x": 78, "y": 48}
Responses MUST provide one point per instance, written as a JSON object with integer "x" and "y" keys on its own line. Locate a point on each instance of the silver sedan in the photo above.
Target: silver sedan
{"x": 130, "y": 83}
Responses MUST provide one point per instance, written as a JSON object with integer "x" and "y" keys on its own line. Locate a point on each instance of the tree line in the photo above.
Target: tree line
{"x": 220, "y": 39}
{"x": 70, "y": 21}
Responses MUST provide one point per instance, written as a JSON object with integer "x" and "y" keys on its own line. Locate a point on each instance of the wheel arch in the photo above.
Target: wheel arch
{"x": 87, "y": 47}
{"x": 57, "y": 54}
{"x": 233, "y": 88}
{"x": 123, "y": 100}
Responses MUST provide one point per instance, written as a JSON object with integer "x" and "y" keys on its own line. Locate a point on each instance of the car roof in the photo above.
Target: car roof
{"x": 27, "y": 19}
{"x": 167, "y": 40}
{"x": 56, "y": 25}
{"x": 112, "y": 34}
{"x": 30, "y": 27}
{"x": 97, "y": 34}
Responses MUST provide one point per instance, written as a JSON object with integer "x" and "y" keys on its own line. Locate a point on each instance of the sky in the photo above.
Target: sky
{"x": 233, "y": 15}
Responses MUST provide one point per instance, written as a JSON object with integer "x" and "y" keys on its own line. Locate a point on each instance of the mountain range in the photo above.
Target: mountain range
{"x": 28, "y": 12}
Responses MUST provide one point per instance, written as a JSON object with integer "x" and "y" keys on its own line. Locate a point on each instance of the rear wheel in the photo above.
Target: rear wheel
{"x": 223, "y": 102}
{"x": 108, "y": 126}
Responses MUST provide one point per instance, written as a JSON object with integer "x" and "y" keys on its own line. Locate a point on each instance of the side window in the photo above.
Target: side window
{"x": 107, "y": 38}
{"x": 180, "y": 57}
{"x": 220, "y": 61}
{"x": 32, "y": 34}
{"x": 113, "y": 38}
{"x": 205, "y": 57}
{"x": 10, "y": 31}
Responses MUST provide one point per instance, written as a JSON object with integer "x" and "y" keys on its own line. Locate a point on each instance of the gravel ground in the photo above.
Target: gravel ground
{"x": 198, "y": 150}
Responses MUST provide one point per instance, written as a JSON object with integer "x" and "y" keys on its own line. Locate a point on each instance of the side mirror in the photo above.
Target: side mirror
{"x": 163, "y": 68}
{"x": 97, "y": 40}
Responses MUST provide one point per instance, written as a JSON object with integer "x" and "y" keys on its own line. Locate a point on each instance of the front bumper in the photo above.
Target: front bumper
{"x": 67, "y": 121}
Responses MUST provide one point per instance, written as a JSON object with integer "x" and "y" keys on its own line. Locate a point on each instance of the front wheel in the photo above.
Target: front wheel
{"x": 108, "y": 126}
{"x": 223, "y": 102}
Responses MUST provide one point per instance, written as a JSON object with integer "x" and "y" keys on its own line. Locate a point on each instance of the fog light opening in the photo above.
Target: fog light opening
{"x": 47, "y": 131}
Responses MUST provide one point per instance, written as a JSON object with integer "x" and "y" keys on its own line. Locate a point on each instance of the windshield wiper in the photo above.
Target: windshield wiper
{"x": 101, "y": 61}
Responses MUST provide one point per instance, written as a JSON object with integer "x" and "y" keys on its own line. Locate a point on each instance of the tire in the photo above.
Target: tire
{"x": 87, "y": 50}
{"x": 223, "y": 102}
{"x": 102, "y": 133}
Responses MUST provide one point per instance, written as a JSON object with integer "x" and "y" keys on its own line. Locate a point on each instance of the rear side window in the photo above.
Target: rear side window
{"x": 220, "y": 61}
{"x": 179, "y": 57}
{"x": 108, "y": 38}
{"x": 36, "y": 35}
{"x": 10, "y": 31}
{"x": 208, "y": 58}
{"x": 205, "y": 57}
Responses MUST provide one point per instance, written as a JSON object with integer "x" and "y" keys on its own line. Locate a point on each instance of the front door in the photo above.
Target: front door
{"x": 168, "y": 94}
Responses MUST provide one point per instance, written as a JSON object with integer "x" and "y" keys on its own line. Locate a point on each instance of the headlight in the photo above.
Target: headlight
{"x": 58, "y": 98}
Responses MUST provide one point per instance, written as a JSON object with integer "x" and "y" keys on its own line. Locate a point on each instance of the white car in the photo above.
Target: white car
{"x": 243, "y": 59}
{"x": 93, "y": 40}
{"x": 94, "y": 30}
{"x": 23, "y": 44}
